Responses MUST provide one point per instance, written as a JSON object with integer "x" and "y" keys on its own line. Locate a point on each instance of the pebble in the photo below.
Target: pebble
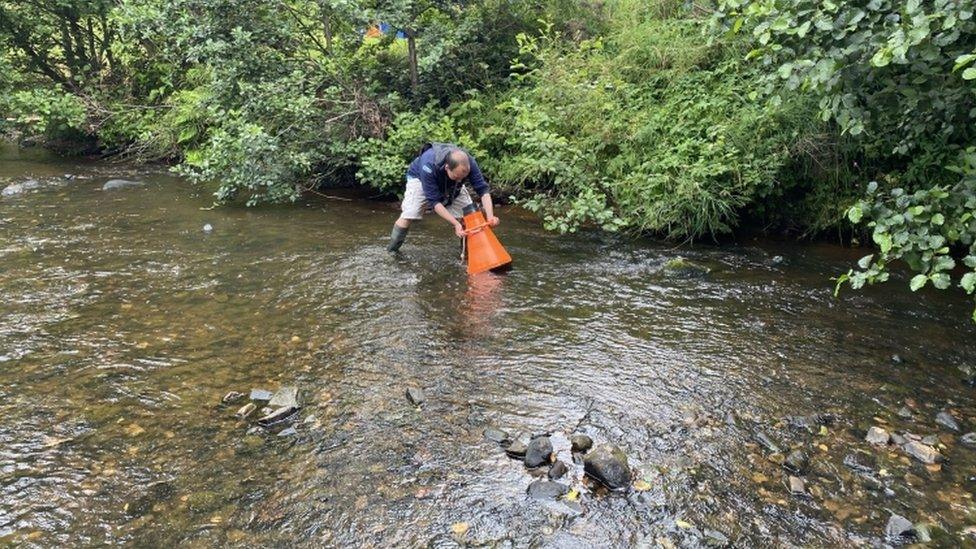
{"x": 232, "y": 396}
{"x": 557, "y": 470}
{"x": 538, "y": 451}
{"x": 877, "y": 435}
{"x": 946, "y": 420}
{"x": 767, "y": 443}
{"x": 581, "y": 443}
{"x": 208, "y": 228}
{"x": 495, "y": 435}
{"x": 899, "y": 528}
{"x": 261, "y": 394}
{"x": 516, "y": 449}
{"x": 246, "y": 410}
{"x": 969, "y": 439}
{"x": 714, "y": 538}
{"x": 922, "y": 452}
{"x": 416, "y": 396}
{"x": 797, "y": 486}
{"x": 860, "y": 462}
{"x": 796, "y": 462}
{"x": 904, "y": 412}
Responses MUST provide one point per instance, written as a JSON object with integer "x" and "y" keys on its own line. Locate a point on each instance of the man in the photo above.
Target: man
{"x": 436, "y": 179}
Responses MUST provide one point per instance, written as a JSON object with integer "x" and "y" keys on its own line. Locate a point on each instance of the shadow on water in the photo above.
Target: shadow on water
{"x": 123, "y": 323}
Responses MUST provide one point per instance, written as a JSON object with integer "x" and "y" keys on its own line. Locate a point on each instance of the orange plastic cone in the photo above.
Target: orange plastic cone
{"x": 485, "y": 252}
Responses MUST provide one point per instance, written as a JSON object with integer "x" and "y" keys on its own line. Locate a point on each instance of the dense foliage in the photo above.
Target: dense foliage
{"x": 900, "y": 75}
{"x": 683, "y": 119}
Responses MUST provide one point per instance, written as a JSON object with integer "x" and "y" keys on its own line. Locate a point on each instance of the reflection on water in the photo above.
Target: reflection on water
{"x": 482, "y": 301}
{"x": 123, "y": 323}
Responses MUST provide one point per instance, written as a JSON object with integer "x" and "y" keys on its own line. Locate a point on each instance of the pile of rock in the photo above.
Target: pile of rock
{"x": 275, "y": 408}
{"x": 605, "y": 464}
{"x": 921, "y": 448}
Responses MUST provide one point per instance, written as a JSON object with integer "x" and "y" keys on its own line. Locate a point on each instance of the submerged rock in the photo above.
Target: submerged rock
{"x": 714, "y": 538}
{"x": 767, "y": 443}
{"x": 904, "y": 412}
{"x": 18, "y": 188}
{"x": 946, "y": 420}
{"x": 969, "y": 439}
{"x": 899, "y": 529}
{"x": 685, "y": 268}
{"x": 261, "y": 395}
{"x": 285, "y": 397}
{"x": 538, "y": 451}
{"x": 208, "y": 228}
{"x": 156, "y": 493}
{"x": 114, "y": 184}
{"x": 246, "y": 410}
{"x": 860, "y": 462}
{"x": 581, "y": 443}
{"x": 608, "y": 465}
{"x": 796, "y": 462}
{"x": 810, "y": 422}
{"x": 797, "y": 486}
{"x": 416, "y": 396}
{"x": 546, "y": 489}
{"x": 557, "y": 470}
{"x": 516, "y": 449}
{"x": 922, "y": 452}
{"x": 276, "y": 416}
{"x": 495, "y": 435}
{"x": 877, "y": 435}
{"x": 232, "y": 396}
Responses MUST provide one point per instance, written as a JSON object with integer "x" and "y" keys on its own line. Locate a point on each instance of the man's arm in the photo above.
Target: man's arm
{"x": 440, "y": 210}
{"x": 481, "y": 187}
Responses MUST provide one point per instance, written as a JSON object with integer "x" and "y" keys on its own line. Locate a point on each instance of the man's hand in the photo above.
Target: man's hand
{"x": 459, "y": 230}
{"x": 493, "y": 221}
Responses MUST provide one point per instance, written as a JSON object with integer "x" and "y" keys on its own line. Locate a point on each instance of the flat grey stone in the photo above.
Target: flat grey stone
{"x": 285, "y": 397}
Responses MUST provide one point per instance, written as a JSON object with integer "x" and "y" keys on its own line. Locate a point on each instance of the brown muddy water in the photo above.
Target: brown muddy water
{"x": 123, "y": 323}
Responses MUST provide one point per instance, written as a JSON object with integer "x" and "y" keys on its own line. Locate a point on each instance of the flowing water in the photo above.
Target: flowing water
{"x": 123, "y": 324}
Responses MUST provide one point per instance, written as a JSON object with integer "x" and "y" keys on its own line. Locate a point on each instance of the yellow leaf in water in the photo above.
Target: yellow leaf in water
{"x": 682, "y": 524}
{"x": 823, "y": 430}
{"x": 460, "y": 528}
{"x": 134, "y": 430}
{"x": 573, "y": 495}
{"x": 642, "y": 486}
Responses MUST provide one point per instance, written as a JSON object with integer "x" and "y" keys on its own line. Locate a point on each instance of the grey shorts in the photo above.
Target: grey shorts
{"x": 415, "y": 204}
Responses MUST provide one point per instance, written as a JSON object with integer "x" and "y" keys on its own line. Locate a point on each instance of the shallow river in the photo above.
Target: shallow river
{"x": 123, "y": 324}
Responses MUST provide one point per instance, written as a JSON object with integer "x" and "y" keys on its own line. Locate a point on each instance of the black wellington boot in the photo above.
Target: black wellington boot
{"x": 397, "y": 237}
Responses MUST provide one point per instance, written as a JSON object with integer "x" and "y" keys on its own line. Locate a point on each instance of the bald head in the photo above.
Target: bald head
{"x": 457, "y": 165}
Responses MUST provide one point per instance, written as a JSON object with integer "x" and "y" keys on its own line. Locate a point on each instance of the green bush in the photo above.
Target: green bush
{"x": 648, "y": 129}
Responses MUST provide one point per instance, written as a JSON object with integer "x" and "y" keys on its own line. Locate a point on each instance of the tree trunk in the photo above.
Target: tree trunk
{"x": 327, "y": 27}
{"x": 412, "y": 53}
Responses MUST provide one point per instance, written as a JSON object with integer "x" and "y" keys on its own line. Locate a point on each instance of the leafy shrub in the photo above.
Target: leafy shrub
{"x": 922, "y": 229}
{"x": 899, "y": 76}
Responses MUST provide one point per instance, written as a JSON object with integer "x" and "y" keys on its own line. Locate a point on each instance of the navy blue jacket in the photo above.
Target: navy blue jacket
{"x": 429, "y": 168}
